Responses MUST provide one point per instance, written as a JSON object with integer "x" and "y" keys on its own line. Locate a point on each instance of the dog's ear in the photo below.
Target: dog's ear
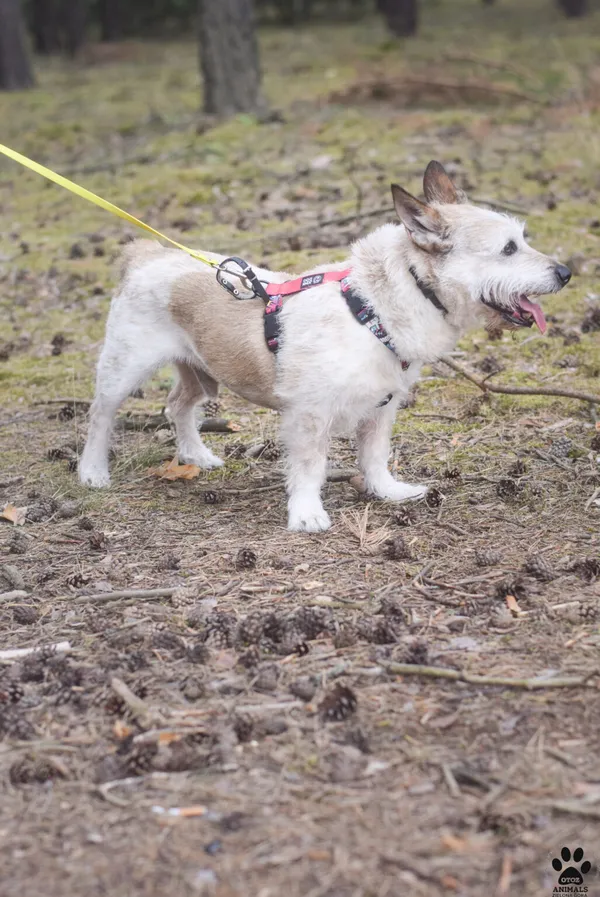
{"x": 425, "y": 225}
{"x": 438, "y": 187}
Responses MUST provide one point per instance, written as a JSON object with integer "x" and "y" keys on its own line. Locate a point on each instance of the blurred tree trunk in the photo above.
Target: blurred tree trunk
{"x": 15, "y": 68}
{"x": 401, "y": 16}
{"x": 45, "y": 26}
{"x": 573, "y": 8}
{"x": 111, "y": 25}
{"x": 229, "y": 57}
{"x": 74, "y": 21}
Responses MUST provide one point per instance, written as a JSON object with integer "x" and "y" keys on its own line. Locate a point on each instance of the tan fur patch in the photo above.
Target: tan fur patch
{"x": 228, "y": 335}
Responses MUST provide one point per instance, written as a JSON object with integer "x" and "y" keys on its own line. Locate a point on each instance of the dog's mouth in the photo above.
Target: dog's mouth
{"x": 524, "y": 312}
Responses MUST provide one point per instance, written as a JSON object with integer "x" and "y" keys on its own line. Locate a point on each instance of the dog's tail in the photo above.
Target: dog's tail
{"x": 136, "y": 253}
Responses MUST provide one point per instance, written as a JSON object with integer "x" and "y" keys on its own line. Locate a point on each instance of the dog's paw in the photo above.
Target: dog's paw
{"x": 404, "y": 492}
{"x": 309, "y": 521}
{"x": 97, "y": 477}
{"x": 202, "y": 458}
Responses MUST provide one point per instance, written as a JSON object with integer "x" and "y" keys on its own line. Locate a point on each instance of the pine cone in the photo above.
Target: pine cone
{"x": 18, "y": 543}
{"x": 518, "y": 469}
{"x": 338, "y": 704}
{"x": 85, "y": 523}
{"x": 235, "y": 450}
{"x": 271, "y": 451}
{"x": 588, "y": 569}
{"x": 25, "y": 614}
{"x": 508, "y": 489}
{"x": 312, "y": 621}
{"x": 245, "y": 559}
{"x": 513, "y": 585}
{"x": 418, "y": 653}
{"x": 434, "y": 498}
{"x": 539, "y": 568}
{"x": 405, "y": 517}
{"x": 139, "y": 760}
{"x": 345, "y": 637}
{"x": 485, "y": 558}
{"x": 561, "y": 447}
{"x": 220, "y": 628}
{"x": 211, "y": 408}
{"x": 67, "y": 412}
{"x": 595, "y": 443}
{"x": 78, "y": 579}
{"x": 397, "y": 549}
{"x": 62, "y": 453}
{"x": 589, "y": 611}
{"x": 97, "y": 541}
{"x": 163, "y": 640}
{"x": 210, "y": 497}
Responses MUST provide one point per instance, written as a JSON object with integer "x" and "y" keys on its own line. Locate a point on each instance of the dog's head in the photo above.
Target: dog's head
{"x": 477, "y": 255}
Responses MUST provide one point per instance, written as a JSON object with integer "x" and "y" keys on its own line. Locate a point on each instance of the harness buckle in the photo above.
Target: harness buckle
{"x": 239, "y": 279}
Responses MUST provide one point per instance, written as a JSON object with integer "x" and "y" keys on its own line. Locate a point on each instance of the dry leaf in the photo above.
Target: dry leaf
{"x": 15, "y": 515}
{"x": 312, "y": 585}
{"x": 171, "y": 470}
{"x": 319, "y": 855}
{"x": 121, "y": 730}
{"x": 513, "y": 605}
{"x": 457, "y": 845}
{"x": 169, "y": 737}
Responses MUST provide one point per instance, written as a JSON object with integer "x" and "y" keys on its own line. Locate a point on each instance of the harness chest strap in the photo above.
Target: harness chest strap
{"x": 361, "y": 311}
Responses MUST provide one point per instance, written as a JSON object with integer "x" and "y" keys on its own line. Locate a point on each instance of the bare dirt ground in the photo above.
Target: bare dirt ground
{"x": 297, "y": 714}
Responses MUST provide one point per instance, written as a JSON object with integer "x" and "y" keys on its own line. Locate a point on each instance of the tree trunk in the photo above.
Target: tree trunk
{"x": 401, "y": 16}
{"x": 74, "y": 17}
{"x": 229, "y": 57}
{"x": 111, "y": 26}
{"x": 573, "y": 8}
{"x": 44, "y": 18}
{"x": 15, "y": 68}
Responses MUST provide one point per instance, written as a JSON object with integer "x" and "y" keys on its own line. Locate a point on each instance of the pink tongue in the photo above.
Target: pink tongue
{"x": 535, "y": 311}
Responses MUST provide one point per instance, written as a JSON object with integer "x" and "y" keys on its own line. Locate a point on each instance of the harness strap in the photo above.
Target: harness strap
{"x": 305, "y": 283}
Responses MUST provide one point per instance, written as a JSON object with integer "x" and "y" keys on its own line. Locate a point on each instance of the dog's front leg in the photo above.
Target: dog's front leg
{"x": 305, "y": 438}
{"x": 373, "y": 442}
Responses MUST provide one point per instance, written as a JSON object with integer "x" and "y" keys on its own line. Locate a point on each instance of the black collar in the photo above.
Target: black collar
{"x": 428, "y": 292}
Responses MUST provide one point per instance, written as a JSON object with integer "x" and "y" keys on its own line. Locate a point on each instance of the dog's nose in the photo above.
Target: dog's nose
{"x": 563, "y": 274}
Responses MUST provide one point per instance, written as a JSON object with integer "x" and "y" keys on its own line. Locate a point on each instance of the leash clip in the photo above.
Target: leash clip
{"x": 239, "y": 279}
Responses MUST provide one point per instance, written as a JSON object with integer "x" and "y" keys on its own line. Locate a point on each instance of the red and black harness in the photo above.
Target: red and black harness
{"x": 272, "y": 295}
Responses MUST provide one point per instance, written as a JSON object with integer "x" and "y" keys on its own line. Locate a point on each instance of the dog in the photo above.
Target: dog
{"x": 448, "y": 267}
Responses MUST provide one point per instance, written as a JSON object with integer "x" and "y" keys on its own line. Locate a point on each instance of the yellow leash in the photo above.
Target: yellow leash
{"x": 98, "y": 201}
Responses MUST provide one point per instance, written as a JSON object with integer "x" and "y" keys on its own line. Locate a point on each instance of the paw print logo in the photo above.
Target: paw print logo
{"x": 571, "y": 875}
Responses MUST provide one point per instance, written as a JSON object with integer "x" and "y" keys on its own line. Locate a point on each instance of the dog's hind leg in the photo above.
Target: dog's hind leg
{"x": 306, "y": 440}
{"x": 194, "y": 386}
{"x": 373, "y": 442}
{"x": 121, "y": 370}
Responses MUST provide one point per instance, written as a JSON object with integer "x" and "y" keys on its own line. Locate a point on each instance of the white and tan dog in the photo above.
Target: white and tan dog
{"x": 330, "y": 376}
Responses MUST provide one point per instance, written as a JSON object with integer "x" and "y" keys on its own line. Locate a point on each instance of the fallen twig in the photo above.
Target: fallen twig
{"x": 158, "y": 421}
{"x": 10, "y": 654}
{"x": 11, "y": 481}
{"x": 13, "y": 596}
{"x": 520, "y": 390}
{"x": 146, "y": 716}
{"x": 146, "y": 594}
{"x": 409, "y": 669}
{"x": 575, "y": 808}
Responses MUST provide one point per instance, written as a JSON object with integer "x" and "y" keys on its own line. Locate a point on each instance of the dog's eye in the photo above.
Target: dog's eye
{"x": 510, "y": 248}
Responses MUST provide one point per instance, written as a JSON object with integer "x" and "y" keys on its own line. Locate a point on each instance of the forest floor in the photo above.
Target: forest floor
{"x": 260, "y": 690}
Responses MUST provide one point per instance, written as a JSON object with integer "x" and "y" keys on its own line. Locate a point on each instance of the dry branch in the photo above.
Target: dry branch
{"x": 409, "y": 669}
{"x": 146, "y": 594}
{"x": 146, "y": 717}
{"x": 485, "y": 387}
{"x": 11, "y": 654}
